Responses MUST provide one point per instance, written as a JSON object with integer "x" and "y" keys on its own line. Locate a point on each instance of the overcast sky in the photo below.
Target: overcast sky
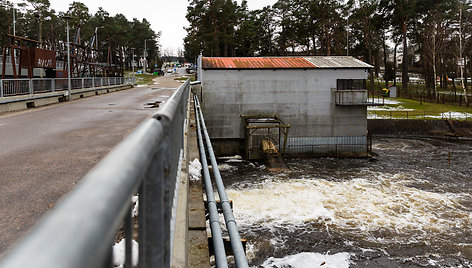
{"x": 167, "y": 16}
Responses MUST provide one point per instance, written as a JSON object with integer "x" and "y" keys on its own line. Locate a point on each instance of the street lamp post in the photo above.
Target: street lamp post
{"x": 132, "y": 63}
{"x": 145, "y": 60}
{"x": 14, "y": 21}
{"x": 96, "y": 36}
{"x": 69, "y": 82}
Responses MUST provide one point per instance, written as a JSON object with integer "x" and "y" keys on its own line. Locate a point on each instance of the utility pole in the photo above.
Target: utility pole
{"x": 145, "y": 60}
{"x": 14, "y": 21}
{"x": 69, "y": 82}
{"x": 347, "y": 37}
{"x": 132, "y": 63}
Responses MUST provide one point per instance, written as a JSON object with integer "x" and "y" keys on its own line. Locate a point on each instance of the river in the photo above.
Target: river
{"x": 409, "y": 206}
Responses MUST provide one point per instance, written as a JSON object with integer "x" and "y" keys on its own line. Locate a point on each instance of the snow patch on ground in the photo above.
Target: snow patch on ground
{"x": 451, "y": 115}
{"x": 386, "y": 101}
{"x": 195, "y": 170}
{"x": 119, "y": 253}
{"x": 446, "y": 115}
{"x": 388, "y": 108}
{"x": 135, "y": 200}
{"x": 310, "y": 259}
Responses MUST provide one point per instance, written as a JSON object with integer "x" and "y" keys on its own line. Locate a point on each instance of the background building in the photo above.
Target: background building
{"x": 323, "y": 99}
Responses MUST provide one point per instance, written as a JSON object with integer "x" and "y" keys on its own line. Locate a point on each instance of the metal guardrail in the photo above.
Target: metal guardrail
{"x": 351, "y": 97}
{"x": 235, "y": 239}
{"x": 80, "y": 231}
{"x": 24, "y": 86}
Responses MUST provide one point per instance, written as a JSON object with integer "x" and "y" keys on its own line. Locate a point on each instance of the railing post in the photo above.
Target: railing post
{"x": 53, "y": 85}
{"x": 30, "y": 84}
{"x": 83, "y": 84}
{"x": 93, "y": 82}
{"x": 1, "y": 88}
{"x": 152, "y": 239}
{"x": 101, "y": 81}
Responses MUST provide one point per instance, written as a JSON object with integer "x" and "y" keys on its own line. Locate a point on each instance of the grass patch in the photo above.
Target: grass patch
{"x": 144, "y": 79}
{"x": 431, "y": 107}
{"x": 185, "y": 77}
{"x": 413, "y": 109}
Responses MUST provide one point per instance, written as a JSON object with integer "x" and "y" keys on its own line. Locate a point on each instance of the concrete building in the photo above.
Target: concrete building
{"x": 323, "y": 99}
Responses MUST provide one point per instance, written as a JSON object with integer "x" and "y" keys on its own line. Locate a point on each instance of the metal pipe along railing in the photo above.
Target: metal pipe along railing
{"x": 217, "y": 237}
{"x": 235, "y": 239}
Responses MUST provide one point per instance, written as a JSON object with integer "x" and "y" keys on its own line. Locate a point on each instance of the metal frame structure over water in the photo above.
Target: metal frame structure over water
{"x": 235, "y": 239}
{"x": 24, "y": 86}
{"x": 81, "y": 229}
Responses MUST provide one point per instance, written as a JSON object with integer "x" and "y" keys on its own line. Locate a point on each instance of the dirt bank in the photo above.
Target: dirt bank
{"x": 420, "y": 127}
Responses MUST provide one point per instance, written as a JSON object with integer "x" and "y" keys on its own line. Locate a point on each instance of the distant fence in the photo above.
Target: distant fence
{"x": 418, "y": 93}
{"x": 418, "y": 115}
{"x": 25, "y": 86}
{"x": 80, "y": 230}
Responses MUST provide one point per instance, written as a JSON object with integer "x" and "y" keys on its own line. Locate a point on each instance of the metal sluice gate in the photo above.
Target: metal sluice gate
{"x": 216, "y": 232}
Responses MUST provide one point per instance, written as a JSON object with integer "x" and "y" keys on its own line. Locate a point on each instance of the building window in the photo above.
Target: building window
{"x": 351, "y": 84}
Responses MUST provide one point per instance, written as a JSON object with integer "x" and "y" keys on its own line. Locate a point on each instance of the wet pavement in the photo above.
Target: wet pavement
{"x": 46, "y": 151}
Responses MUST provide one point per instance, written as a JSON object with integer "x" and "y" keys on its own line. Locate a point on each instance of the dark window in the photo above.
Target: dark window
{"x": 350, "y": 84}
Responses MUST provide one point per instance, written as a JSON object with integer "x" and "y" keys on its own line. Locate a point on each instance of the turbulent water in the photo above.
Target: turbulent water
{"x": 410, "y": 206}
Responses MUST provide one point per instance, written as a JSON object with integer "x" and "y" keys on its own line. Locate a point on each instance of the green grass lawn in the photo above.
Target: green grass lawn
{"x": 407, "y": 108}
{"x": 430, "y": 107}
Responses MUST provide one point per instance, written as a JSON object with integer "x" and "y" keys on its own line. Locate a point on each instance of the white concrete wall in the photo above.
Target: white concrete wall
{"x": 303, "y": 98}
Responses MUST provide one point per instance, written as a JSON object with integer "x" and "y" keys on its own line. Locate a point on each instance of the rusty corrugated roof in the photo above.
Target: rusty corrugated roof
{"x": 306, "y": 62}
{"x": 257, "y": 63}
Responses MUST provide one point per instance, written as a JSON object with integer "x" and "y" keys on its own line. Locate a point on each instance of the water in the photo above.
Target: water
{"x": 410, "y": 207}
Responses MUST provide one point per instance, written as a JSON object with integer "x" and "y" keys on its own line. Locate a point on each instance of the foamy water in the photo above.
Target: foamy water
{"x": 411, "y": 207}
{"x": 362, "y": 206}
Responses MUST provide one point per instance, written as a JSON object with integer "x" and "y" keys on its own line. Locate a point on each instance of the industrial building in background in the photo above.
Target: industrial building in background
{"x": 23, "y": 58}
{"x": 303, "y": 105}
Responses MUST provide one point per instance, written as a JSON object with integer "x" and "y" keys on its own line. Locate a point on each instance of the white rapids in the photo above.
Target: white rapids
{"x": 362, "y": 206}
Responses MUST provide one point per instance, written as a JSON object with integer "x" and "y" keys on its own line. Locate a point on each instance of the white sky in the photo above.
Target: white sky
{"x": 167, "y": 16}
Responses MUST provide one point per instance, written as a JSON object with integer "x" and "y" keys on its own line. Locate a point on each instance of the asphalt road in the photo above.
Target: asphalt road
{"x": 45, "y": 151}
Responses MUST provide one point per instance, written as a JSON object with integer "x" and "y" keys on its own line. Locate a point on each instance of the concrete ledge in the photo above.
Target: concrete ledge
{"x": 198, "y": 250}
{"x": 22, "y": 102}
{"x": 180, "y": 245}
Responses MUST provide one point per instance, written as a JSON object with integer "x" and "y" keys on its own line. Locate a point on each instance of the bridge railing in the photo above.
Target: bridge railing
{"x": 80, "y": 230}
{"x": 24, "y": 86}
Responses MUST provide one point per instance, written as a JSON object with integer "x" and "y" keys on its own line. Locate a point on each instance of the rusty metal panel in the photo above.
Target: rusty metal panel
{"x": 257, "y": 63}
{"x": 39, "y": 58}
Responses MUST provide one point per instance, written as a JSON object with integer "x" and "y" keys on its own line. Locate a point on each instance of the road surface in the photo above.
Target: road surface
{"x": 44, "y": 152}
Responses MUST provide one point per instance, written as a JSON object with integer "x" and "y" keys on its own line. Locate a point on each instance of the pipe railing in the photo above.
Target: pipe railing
{"x": 215, "y": 226}
{"x": 80, "y": 230}
{"x": 235, "y": 239}
{"x": 24, "y": 86}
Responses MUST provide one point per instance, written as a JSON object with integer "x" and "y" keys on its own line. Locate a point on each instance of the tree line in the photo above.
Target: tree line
{"x": 36, "y": 20}
{"x": 428, "y": 37}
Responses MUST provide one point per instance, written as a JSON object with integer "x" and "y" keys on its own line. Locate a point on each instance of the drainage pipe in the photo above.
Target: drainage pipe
{"x": 217, "y": 237}
{"x": 236, "y": 245}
